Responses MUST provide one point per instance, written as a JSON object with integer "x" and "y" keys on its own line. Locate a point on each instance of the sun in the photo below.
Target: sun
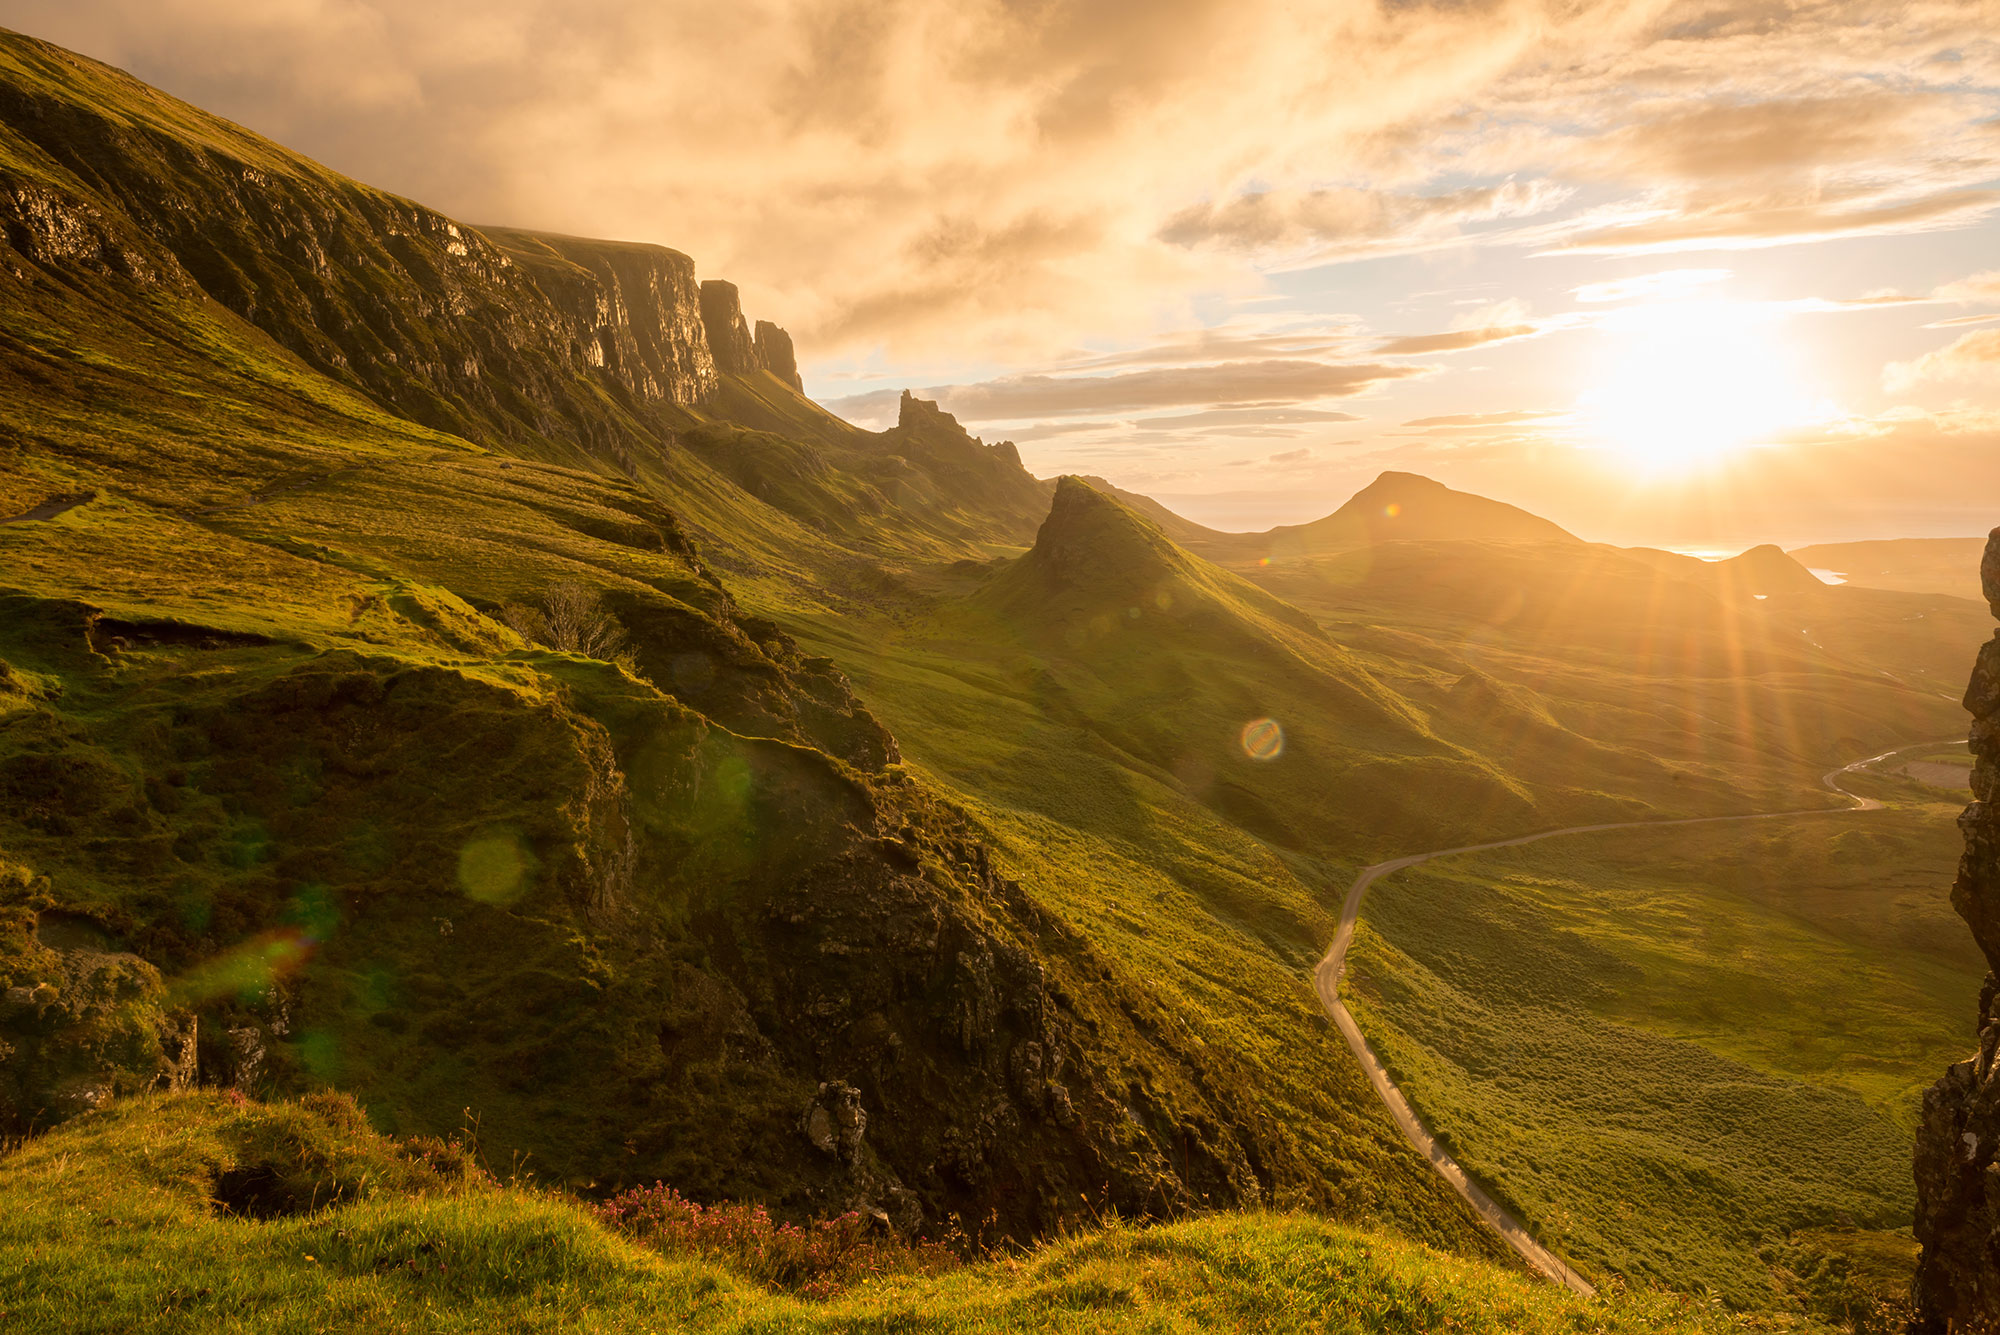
{"x": 1681, "y": 385}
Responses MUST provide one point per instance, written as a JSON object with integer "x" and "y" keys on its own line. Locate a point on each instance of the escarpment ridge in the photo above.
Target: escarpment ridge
{"x": 527, "y": 341}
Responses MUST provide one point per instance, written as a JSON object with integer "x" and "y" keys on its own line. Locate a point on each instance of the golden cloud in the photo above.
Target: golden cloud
{"x": 1024, "y": 397}
{"x": 1974, "y": 356}
{"x": 992, "y": 179}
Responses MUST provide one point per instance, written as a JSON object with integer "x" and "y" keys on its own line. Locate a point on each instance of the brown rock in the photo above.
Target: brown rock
{"x": 1989, "y": 572}
{"x": 1957, "y": 1171}
{"x": 775, "y": 354}
{"x": 729, "y": 341}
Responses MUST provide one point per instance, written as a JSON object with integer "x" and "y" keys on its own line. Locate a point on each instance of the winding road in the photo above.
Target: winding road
{"x": 1326, "y": 981}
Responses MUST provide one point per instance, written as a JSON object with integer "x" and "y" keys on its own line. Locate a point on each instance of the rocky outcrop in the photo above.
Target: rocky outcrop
{"x": 1958, "y": 1139}
{"x": 634, "y": 310}
{"x": 928, "y": 460}
{"x": 729, "y": 340}
{"x": 81, "y": 1021}
{"x": 736, "y": 350}
{"x": 915, "y": 414}
{"x": 775, "y": 354}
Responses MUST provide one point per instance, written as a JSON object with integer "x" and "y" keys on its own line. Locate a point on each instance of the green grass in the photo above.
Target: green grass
{"x": 112, "y": 1225}
{"x": 303, "y": 769}
{"x": 1671, "y": 1050}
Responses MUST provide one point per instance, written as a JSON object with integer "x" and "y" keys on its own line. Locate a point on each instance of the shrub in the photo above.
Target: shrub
{"x": 817, "y": 1260}
{"x": 571, "y": 620}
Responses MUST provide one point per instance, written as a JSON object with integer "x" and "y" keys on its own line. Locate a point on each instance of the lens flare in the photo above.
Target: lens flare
{"x": 1263, "y": 739}
{"x": 493, "y": 867}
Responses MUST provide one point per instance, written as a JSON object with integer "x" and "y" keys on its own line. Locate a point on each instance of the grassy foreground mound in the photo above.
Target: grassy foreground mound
{"x": 138, "y": 1219}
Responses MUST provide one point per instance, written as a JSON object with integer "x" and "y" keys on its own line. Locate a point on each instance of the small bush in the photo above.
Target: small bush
{"x": 815, "y": 1261}
{"x": 572, "y": 620}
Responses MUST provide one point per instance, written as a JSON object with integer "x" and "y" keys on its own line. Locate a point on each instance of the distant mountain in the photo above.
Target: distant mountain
{"x": 1398, "y": 507}
{"x": 1909, "y": 565}
{"x": 1395, "y": 507}
{"x": 1179, "y": 663}
{"x": 1760, "y": 572}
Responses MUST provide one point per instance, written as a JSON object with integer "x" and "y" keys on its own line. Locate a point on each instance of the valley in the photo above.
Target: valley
{"x": 477, "y": 740}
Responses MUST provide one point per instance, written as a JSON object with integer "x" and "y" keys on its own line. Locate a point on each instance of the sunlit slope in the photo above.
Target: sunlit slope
{"x": 272, "y": 760}
{"x": 1628, "y": 1036}
{"x": 1587, "y": 647}
{"x": 589, "y": 354}
{"x": 422, "y": 315}
{"x": 119, "y": 1223}
{"x": 1171, "y": 658}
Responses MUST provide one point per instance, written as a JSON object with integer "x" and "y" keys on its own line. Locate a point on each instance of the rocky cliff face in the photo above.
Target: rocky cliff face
{"x": 1958, "y": 1140}
{"x": 729, "y": 339}
{"x": 737, "y": 351}
{"x": 543, "y": 344}
{"x": 774, "y": 351}
{"x": 634, "y": 311}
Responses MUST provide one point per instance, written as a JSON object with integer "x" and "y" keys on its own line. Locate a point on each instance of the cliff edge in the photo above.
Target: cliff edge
{"x": 1958, "y": 1140}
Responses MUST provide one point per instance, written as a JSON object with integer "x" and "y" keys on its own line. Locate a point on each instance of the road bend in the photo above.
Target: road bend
{"x": 1327, "y": 975}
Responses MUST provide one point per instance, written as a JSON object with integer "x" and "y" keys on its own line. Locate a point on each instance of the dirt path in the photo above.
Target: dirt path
{"x": 1326, "y": 981}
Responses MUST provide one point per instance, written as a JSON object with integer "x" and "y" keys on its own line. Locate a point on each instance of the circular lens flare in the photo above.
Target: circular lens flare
{"x": 1263, "y": 739}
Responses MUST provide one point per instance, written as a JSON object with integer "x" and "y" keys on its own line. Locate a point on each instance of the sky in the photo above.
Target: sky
{"x": 1699, "y": 273}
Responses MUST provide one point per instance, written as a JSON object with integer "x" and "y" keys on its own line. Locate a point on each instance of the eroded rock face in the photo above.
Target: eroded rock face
{"x": 81, "y": 1021}
{"x": 729, "y": 340}
{"x": 775, "y": 354}
{"x": 736, "y": 350}
{"x": 1958, "y": 1140}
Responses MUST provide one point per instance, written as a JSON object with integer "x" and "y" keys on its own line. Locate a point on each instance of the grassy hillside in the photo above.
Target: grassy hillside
{"x": 1673, "y": 1051}
{"x": 274, "y": 753}
{"x": 411, "y": 688}
{"x": 1560, "y": 659}
{"x": 138, "y": 1220}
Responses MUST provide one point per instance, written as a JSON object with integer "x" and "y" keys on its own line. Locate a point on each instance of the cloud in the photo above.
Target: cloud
{"x": 1752, "y": 224}
{"x": 1471, "y": 421}
{"x": 1666, "y": 282}
{"x": 1705, "y": 142}
{"x": 1224, "y": 417}
{"x": 1225, "y": 342}
{"x": 992, "y": 182}
{"x": 1317, "y": 224}
{"x": 1020, "y": 397}
{"x": 1972, "y": 357}
{"x": 1455, "y": 341}
{"x": 1979, "y": 289}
